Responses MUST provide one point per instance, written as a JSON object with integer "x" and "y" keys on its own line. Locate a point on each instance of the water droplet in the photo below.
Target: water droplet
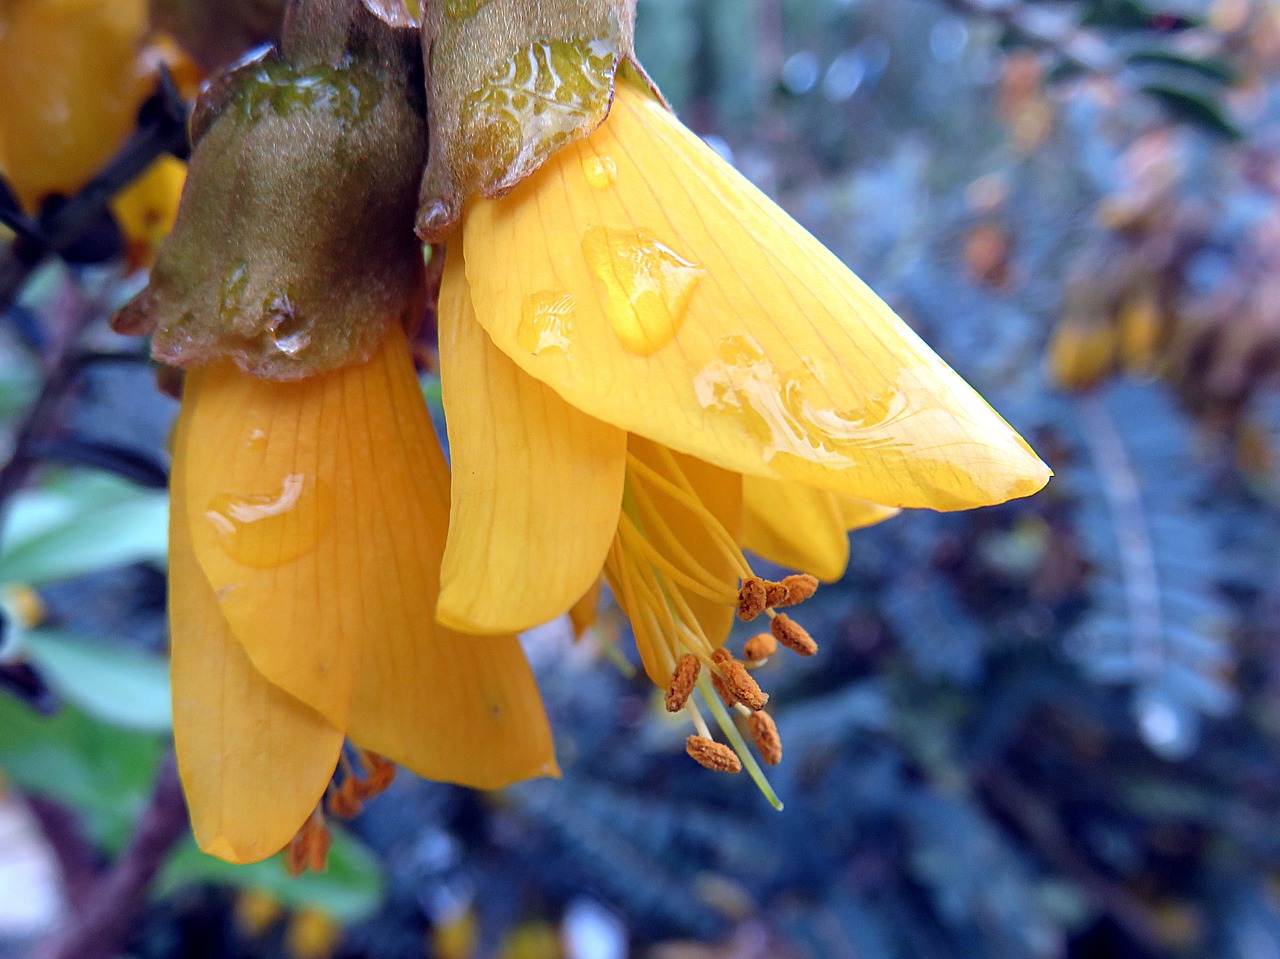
{"x": 231, "y": 293}
{"x": 601, "y": 172}
{"x": 776, "y": 408}
{"x": 542, "y": 98}
{"x": 270, "y": 529}
{"x": 547, "y": 322}
{"x": 647, "y": 286}
{"x": 461, "y": 9}
{"x": 285, "y": 327}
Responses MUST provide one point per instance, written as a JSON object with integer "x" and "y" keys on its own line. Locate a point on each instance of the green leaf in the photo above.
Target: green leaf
{"x": 1195, "y": 107}
{"x": 1210, "y": 68}
{"x": 83, "y": 523}
{"x": 349, "y": 890}
{"x": 102, "y": 772}
{"x": 118, "y": 686}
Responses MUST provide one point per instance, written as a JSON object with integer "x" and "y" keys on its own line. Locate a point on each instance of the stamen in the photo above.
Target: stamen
{"x": 753, "y": 598}
{"x": 380, "y": 772}
{"x": 798, "y": 587}
{"x": 723, "y": 691}
{"x": 760, "y": 647}
{"x": 683, "y": 681}
{"x": 738, "y": 681}
{"x": 713, "y": 755}
{"x": 684, "y": 494}
{"x": 658, "y": 525}
{"x": 699, "y": 723}
{"x": 765, "y": 734}
{"x": 309, "y": 849}
{"x": 792, "y": 635}
{"x": 633, "y": 537}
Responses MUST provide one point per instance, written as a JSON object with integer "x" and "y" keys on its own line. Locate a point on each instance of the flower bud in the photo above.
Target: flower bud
{"x": 510, "y": 82}
{"x": 293, "y": 249}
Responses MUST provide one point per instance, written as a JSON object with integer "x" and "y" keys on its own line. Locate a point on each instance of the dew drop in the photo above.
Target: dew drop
{"x": 285, "y": 327}
{"x": 601, "y": 172}
{"x": 270, "y": 529}
{"x": 546, "y": 322}
{"x": 647, "y": 286}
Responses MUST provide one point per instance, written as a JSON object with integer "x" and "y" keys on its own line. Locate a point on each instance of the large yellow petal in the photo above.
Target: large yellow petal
{"x": 537, "y": 484}
{"x": 696, "y": 313}
{"x": 804, "y": 528}
{"x": 318, "y": 510}
{"x": 464, "y": 709}
{"x": 254, "y": 761}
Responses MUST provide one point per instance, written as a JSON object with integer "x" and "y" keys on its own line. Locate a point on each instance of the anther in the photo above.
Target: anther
{"x": 713, "y": 755}
{"x": 723, "y": 691}
{"x": 738, "y": 681}
{"x": 759, "y": 648}
{"x": 309, "y": 849}
{"x": 753, "y": 598}
{"x": 345, "y": 802}
{"x": 792, "y": 635}
{"x": 380, "y": 773}
{"x": 683, "y": 680}
{"x": 776, "y": 594}
{"x": 799, "y": 587}
{"x": 765, "y": 733}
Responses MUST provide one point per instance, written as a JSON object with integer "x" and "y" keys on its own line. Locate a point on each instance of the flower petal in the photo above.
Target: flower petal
{"x": 459, "y": 708}
{"x": 318, "y": 509}
{"x": 804, "y": 528}
{"x": 700, "y": 315}
{"x": 537, "y": 484}
{"x": 254, "y": 761}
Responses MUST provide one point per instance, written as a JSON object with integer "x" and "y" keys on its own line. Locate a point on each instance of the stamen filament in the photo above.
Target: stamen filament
{"x": 686, "y": 497}
{"x": 657, "y": 523}
{"x": 699, "y": 723}
{"x": 631, "y": 533}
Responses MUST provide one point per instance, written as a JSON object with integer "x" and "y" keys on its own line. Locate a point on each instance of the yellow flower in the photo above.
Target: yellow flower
{"x": 73, "y": 79}
{"x": 646, "y": 366}
{"x": 147, "y": 207}
{"x": 307, "y": 529}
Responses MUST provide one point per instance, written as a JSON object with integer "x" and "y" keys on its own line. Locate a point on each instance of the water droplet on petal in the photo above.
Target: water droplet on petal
{"x": 647, "y": 286}
{"x": 284, "y": 326}
{"x": 601, "y": 172}
{"x": 270, "y": 529}
{"x": 778, "y": 410}
{"x": 547, "y": 322}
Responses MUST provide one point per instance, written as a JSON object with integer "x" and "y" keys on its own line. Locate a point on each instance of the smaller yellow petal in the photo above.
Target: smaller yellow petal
{"x": 585, "y": 612}
{"x": 254, "y": 761}
{"x": 859, "y": 513}
{"x": 795, "y": 526}
{"x": 537, "y": 484}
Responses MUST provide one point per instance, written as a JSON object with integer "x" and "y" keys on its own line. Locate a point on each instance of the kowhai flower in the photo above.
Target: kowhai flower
{"x": 648, "y": 366}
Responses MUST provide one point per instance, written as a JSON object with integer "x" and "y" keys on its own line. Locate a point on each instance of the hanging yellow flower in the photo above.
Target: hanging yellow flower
{"x": 646, "y": 366}
{"x": 309, "y": 493}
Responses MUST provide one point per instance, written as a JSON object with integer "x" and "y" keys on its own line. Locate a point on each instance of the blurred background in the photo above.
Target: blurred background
{"x": 1047, "y": 730}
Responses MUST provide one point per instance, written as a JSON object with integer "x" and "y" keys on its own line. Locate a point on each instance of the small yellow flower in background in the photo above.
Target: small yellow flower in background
{"x": 74, "y": 77}
{"x": 147, "y": 207}
{"x": 648, "y": 366}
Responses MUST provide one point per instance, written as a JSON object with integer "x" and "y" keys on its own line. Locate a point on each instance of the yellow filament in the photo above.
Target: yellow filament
{"x": 655, "y": 521}
{"x": 684, "y": 495}
{"x": 633, "y": 538}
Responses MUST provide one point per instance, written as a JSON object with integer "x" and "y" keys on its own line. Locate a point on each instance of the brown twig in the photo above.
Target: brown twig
{"x": 77, "y": 859}
{"x": 100, "y": 925}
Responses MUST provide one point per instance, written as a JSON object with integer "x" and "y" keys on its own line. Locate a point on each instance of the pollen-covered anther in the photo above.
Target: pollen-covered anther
{"x": 759, "y": 648}
{"x": 345, "y": 802}
{"x": 792, "y": 635}
{"x": 723, "y": 691}
{"x": 380, "y": 772}
{"x": 682, "y": 682}
{"x": 799, "y": 587}
{"x": 309, "y": 849}
{"x": 776, "y": 594}
{"x": 713, "y": 755}
{"x": 738, "y": 682}
{"x": 753, "y": 598}
{"x": 765, "y": 734}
